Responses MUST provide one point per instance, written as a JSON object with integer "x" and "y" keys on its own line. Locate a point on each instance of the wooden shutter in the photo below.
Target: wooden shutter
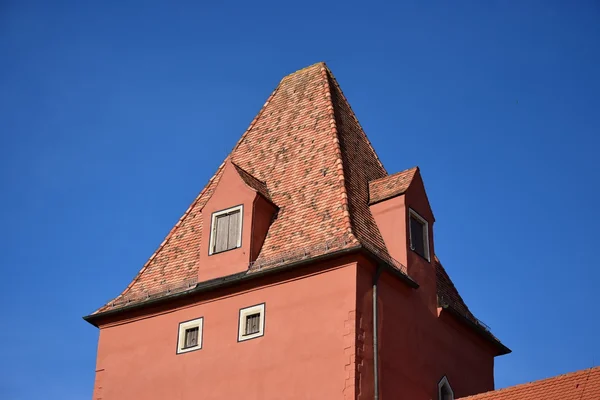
{"x": 221, "y": 232}
{"x": 234, "y": 229}
{"x": 252, "y": 324}
{"x": 191, "y": 337}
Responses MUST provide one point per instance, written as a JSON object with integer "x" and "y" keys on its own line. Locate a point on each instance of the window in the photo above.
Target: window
{"x": 444, "y": 390}
{"x": 189, "y": 337}
{"x": 226, "y": 231}
{"x": 252, "y": 322}
{"x": 419, "y": 234}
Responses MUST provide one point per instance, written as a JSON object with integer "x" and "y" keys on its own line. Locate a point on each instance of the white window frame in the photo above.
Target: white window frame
{"x": 412, "y": 213}
{"x": 184, "y": 326}
{"x": 244, "y": 313}
{"x": 444, "y": 382}
{"x": 213, "y": 225}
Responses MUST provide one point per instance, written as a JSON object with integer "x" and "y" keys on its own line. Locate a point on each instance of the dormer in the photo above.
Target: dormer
{"x": 236, "y": 220}
{"x": 403, "y": 215}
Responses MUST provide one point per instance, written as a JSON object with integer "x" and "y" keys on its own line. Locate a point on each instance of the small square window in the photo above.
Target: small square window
{"x": 252, "y": 322}
{"x": 419, "y": 234}
{"x": 189, "y": 337}
{"x": 226, "y": 231}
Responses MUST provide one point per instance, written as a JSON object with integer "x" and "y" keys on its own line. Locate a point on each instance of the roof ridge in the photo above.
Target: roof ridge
{"x": 416, "y": 167}
{"x": 521, "y": 385}
{"x": 335, "y": 82}
{"x": 339, "y": 164}
{"x": 322, "y": 63}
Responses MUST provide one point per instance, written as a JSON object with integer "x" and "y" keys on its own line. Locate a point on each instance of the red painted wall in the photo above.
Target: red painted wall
{"x": 417, "y": 345}
{"x": 318, "y": 341}
{"x": 257, "y": 215}
{"x": 418, "y": 348}
{"x": 263, "y": 213}
{"x": 392, "y": 216}
{"x": 306, "y": 352}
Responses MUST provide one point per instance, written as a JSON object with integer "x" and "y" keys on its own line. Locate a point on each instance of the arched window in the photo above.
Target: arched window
{"x": 444, "y": 390}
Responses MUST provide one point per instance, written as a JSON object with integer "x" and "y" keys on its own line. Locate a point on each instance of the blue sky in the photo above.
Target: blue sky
{"x": 107, "y": 110}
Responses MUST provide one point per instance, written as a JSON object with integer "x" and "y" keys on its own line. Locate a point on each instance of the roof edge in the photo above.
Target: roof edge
{"x": 394, "y": 193}
{"x": 168, "y": 236}
{"x": 538, "y": 381}
{"x": 260, "y": 187}
{"x": 198, "y": 197}
{"x": 338, "y": 87}
{"x": 240, "y": 277}
{"x": 339, "y": 164}
{"x": 220, "y": 283}
{"x": 480, "y": 330}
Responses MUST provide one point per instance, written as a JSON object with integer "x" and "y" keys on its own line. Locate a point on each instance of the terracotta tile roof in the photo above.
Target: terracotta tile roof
{"x": 580, "y": 385}
{"x": 306, "y": 152}
{"x": 253, "y": 183}
{"x": 391, "y": 185}
{"x": 447, "y": 292}
{"x": 307, "y": 147}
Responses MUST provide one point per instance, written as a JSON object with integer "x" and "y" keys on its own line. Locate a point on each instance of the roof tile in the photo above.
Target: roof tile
{"x": 306, "y": 152}
{"x": 391, "y": 185}
{"x": 579, "y": 385}
{"x": 255, "y": 184}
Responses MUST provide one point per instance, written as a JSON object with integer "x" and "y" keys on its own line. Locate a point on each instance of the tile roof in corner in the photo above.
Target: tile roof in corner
{"x": 391, "y": 185}
{"x": 579, "y": 385}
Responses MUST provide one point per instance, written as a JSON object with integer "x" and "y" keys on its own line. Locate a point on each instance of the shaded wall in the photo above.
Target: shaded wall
{"x": 417, "y": 348}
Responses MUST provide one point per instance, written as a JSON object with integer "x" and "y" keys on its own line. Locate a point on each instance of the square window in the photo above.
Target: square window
{"x": 226, "y": 232}
{"x": 252, "y": 322}
{"x": 189, "y": 337}
{"x": 419, "y": 234}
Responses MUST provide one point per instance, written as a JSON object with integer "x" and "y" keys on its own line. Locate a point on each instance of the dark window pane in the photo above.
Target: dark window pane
{"x": 191, "y": 337}
{"x": 417, "y": 236}
{"x": 445, "y": 393}
{"x": 252, "y": 324}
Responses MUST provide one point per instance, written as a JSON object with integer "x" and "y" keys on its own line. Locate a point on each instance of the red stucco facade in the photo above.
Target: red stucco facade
{"x": 350, "y": 311}
{"x": 301, "y": 355}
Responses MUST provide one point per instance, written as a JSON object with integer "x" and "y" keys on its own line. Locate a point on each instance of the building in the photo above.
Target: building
{"x": 303, "y": 270}
{"x": 579, "y": 385}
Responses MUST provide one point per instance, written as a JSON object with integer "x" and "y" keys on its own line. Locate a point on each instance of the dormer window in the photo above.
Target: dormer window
{"x": 226, "y": 233}
{"x": 444, "y": 390}
{"x": 419, "y": 234}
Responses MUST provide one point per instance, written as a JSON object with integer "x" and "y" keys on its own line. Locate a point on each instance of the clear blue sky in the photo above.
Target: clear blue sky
{"x": 105, "y": 112}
